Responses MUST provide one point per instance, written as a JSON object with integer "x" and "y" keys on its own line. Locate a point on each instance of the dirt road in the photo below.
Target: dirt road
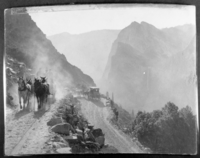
{"x": 26, "y": 132}
{"x": 99, "y": 116}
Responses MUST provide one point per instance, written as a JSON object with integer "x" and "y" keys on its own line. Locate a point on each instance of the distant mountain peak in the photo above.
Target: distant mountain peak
{"x": 135, "y": 23}
{"x": 143, "y": 23}
{"x": 141, "y": 26}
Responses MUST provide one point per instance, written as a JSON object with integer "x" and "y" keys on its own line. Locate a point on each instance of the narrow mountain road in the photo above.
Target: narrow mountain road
{"x": 99, "y": 116}
{"x": 26, "y": 132}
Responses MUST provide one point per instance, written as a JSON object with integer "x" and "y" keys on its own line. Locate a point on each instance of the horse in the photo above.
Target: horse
{"x": 24, "y": 90}
{"x": 30, "y": 88}
{"x": 41, "y": 92}
{"x": 44, "y": 81}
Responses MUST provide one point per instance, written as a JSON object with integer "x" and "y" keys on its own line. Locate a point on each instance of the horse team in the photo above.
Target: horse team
{"x": 39, "y": 90}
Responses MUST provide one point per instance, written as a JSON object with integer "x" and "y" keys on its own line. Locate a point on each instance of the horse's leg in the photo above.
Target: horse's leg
{"x": 46, "y": 102}
{"x": 30, "y": 102}
{"x": 27, "y": 100}
{"x": 34, "y": 106}
{"x": 20, "y": 106}
{"x": 41, "y": 102}
{"x": 24, "y": 101}
{"x": 46, "y": 98}
{"x": 38, "y": 102}
{"x": 35, "y": 103}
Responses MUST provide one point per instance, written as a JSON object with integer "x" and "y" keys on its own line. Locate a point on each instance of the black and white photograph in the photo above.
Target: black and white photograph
{"x": 95, "y": 79}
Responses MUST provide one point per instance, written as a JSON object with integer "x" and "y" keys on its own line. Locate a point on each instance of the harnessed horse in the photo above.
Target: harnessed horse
{"x": 44, "y": 81}
{"x": 24, "y": 90}
{"x": 41, "y": 92}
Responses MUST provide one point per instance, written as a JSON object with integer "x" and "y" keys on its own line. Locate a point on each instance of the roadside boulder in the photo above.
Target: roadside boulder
{"x": 63, "y": 128}
{"x": 64, "y": 150}
{"x": 97, "y": 132}
{"x": 109, "y": 149}
{"x": 100, "y": 140}
{"x": 55, "y": 121}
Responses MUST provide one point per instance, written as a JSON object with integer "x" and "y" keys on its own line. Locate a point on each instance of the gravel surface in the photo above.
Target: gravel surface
{"x": 99, "y": 116}
{"x": 26, "y": 132}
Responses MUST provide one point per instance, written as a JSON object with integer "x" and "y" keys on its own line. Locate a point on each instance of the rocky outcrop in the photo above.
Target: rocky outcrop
{"x": 147, "y": 67}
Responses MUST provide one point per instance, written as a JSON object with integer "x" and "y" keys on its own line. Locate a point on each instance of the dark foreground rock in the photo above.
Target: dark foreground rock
{"x": 63, "y": 128}
{"x": 108, "y": 149}
{"x": 55, "y": 121}
{"x": 100, "y": 140}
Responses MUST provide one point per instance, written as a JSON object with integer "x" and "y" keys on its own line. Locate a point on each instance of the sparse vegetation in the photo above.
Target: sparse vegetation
{"x": 123, "y": 120}
{"x": 168, "y": 130}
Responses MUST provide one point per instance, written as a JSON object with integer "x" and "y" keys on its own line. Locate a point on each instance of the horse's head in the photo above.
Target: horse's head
{"x": 20, "y": 80}
{"x": 21, "y": 83}
{"x": 37, "y": 81}
{"x": 29, "y": 81}
{"x": 43, "y": 79}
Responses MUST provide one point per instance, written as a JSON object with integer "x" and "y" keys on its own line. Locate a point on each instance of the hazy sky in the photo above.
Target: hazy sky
{"x": 93, "y": 17}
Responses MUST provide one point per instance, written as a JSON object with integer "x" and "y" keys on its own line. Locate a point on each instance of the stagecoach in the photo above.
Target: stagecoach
{"x": 94, "y": 93}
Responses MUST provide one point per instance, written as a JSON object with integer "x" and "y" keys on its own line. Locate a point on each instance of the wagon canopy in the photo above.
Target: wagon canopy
{"x": 94, "y": 89}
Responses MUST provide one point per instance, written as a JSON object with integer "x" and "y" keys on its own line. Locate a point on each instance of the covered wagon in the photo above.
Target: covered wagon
{"x": 94, "y": 93}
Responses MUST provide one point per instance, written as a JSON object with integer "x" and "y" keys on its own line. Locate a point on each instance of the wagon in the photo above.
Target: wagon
{"x": 94, "y": 94}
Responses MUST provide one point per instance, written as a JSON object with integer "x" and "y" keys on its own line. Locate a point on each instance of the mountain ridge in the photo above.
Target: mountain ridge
{"x": 138, "y": 70}
{"x": 88, "y": 51}
{"x": 26, "y": 43}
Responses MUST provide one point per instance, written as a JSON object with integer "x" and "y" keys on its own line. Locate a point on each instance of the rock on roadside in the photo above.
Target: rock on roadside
{"x": 64, "y": 150}
{"x": 63, "y": 128}
{"x": 55, "y": 121}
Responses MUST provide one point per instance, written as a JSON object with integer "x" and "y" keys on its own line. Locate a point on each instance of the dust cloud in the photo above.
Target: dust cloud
{"x": 57, "y": 77}
{"x": 41, "y": 65}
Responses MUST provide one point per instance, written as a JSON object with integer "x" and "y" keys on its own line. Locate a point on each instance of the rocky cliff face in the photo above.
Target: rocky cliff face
{"x": 26, "y": 43}
{"x": 89, "y": 51}
{"x": 148, "y": 67}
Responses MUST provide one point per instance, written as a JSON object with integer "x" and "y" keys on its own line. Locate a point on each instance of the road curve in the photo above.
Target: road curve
{"x": 99, "y": 116}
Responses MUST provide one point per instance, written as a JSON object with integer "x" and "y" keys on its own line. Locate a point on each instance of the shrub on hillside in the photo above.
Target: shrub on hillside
{"x": 168, "y": 130}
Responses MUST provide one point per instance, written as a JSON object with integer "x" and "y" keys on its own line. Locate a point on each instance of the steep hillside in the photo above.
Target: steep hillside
{"x": 89, "y": 51}
{"x": 147, "y": 67}
{"x": 26, "y": 43}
